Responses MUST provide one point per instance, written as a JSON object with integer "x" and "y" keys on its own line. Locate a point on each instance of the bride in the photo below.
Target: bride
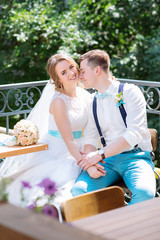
{"x": 60, "y": 115}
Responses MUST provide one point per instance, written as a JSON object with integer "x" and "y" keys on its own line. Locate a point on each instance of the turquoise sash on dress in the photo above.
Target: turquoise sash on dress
{"x": 76, "y": 134}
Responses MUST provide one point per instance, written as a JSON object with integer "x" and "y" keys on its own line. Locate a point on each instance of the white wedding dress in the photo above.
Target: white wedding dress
{"x": 56, "y": 163}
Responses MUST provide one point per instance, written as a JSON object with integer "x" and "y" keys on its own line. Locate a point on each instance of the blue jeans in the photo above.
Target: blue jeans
{"x": 134, "y": 167}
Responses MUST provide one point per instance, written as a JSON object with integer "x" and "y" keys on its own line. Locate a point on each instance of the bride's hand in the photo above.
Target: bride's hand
{"x": 96, "y": 172}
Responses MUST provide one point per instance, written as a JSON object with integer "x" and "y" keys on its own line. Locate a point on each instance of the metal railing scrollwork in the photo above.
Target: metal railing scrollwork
{"x": 151, "y": 92}
{"x": 19, "y": 99}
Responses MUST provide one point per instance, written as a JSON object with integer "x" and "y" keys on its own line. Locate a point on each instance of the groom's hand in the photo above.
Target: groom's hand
{"x": 89, "y": 160}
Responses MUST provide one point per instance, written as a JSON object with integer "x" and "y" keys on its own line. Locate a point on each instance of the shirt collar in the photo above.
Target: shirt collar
{"x": 112, "y": 87}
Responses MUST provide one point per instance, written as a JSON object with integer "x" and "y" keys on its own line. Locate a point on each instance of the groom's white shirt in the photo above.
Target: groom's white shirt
{"x": 111, "y": 121}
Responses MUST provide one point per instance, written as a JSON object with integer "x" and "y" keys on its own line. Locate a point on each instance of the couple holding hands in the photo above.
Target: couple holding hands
{"x": 65, "y": 109}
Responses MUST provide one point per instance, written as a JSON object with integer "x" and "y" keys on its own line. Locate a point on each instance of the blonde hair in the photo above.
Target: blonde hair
{"x": 51, "y": 65}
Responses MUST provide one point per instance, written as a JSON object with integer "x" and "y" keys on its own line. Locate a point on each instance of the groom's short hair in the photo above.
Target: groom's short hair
{"x": 97, "y": 58}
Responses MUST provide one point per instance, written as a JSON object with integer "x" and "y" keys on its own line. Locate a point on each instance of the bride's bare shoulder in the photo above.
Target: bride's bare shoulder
{"x": 57, "y": 104}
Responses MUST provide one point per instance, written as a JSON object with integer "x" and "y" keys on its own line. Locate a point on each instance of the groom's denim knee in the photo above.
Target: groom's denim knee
{"x": 142, "y": 195}
{"x": 79, "y": 188}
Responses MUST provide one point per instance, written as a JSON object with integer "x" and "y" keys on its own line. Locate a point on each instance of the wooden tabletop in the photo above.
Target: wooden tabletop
{"x": 6, "y": 151}
{"x": 140, "y": 221}
{"x": 23, "y": 224}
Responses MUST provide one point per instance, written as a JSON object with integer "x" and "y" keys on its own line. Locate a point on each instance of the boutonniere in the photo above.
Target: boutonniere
{"x": 119, "y": 99}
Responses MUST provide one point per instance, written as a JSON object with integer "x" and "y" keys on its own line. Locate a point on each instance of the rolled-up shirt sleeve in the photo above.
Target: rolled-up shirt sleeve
{"x": 136, "y": 115}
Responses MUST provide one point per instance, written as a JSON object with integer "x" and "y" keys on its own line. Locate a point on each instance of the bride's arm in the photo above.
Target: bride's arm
{"x": 59, "y": 110}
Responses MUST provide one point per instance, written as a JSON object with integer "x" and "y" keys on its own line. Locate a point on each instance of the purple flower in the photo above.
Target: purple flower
{"x": 26, "y": 184}
{"x": 50, "y": 210}
{"x": 32, "y": 206}
{"x": 49, "y": 186}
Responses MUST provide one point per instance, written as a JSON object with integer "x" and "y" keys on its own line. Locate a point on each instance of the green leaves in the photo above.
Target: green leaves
{"x": 3, "y": 189}
{"x": 31, "y": 31}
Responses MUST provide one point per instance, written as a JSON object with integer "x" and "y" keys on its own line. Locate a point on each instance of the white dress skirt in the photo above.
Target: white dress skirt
{"x": 56, "y": 163}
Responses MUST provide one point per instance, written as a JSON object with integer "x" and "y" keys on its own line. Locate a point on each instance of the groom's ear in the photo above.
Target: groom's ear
{"x": 97, "y": 70}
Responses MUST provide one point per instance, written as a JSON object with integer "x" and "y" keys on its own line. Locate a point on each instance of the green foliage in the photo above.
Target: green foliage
{"x": 28, "y": 33}
{"x": 124, "y": 29}
{"x": 3, "y": 189}
{"x": 148, "y": 57}
{"x": 31, "y": 31}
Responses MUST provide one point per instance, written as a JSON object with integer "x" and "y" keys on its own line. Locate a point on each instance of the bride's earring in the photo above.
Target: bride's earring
{"x": 51, "y": 81}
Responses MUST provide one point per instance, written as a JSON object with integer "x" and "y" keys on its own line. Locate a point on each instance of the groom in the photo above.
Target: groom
{"x": 126, "y": 143}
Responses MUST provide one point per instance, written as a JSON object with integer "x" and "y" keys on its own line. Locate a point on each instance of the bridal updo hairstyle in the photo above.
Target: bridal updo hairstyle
{"x": 51, "y": 64}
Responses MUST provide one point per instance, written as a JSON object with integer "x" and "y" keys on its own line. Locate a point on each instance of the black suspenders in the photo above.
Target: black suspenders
{"x": 121, "y": 109}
